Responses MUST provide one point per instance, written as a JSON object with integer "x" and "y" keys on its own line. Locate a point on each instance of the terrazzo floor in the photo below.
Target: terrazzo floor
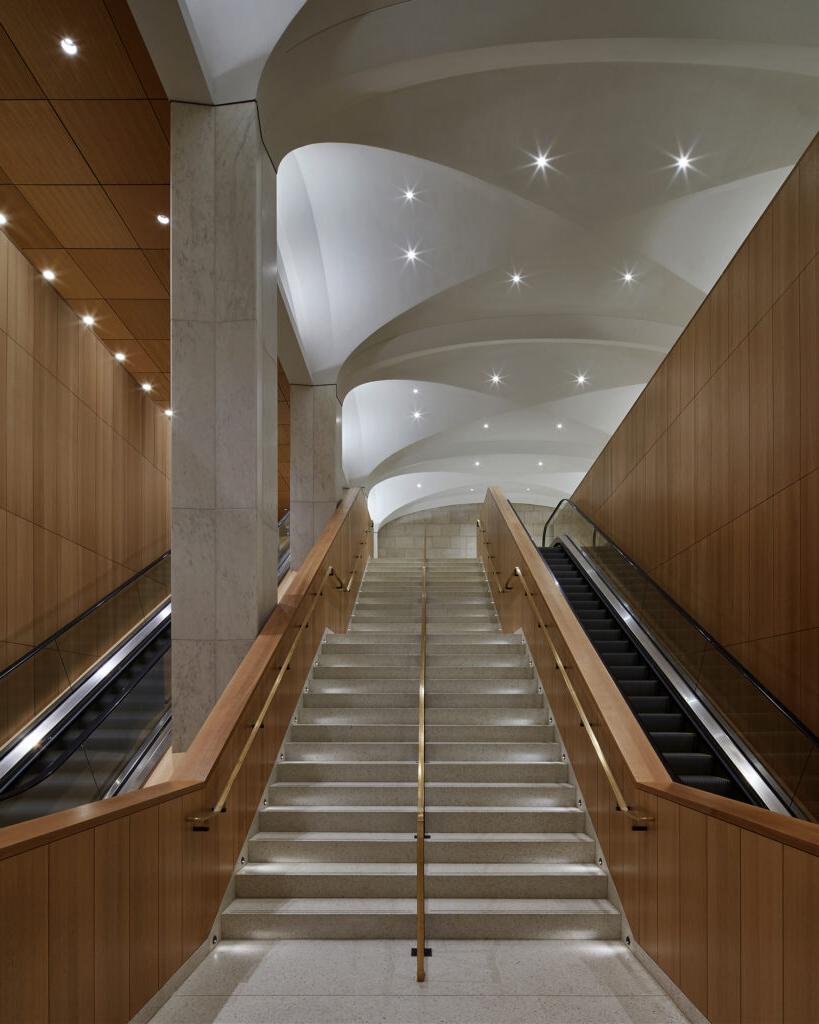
{"x": 373, "y": 982}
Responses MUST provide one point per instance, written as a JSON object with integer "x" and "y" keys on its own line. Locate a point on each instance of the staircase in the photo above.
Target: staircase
{"x": 507, "y": 857}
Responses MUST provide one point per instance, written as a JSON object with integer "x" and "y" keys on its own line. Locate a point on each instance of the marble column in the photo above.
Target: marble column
{"x": 316, "y": 477}
{"x": 224, "y": 390}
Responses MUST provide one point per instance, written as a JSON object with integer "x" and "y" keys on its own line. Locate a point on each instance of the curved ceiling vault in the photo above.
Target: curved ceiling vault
{"x": 363, "y": 100}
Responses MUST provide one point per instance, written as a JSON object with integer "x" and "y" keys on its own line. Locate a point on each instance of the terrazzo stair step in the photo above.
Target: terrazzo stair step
{"x": 486, "y": 669}
{"x": 498, "y": 699}
{"x": 355, "y": 647}
{"x": 520, "y": 734}
{"x": 376, "y": 657}
{"x": 493, "y": 658}
{"x": 449, "y": 612}
{"x": 349, "y": 685}
{"x": 402, "y": 819}
{"x": 395, "y": 919}
{"x": 397, "y": 751}
{"x": 397, "y": 794}
{"x": 341, "y": 700}
{"x": 369, "y": 715}
{"x": 359, "y": 628}
{"x": 443, "y": 848}
{"x": 365, "y": 672}
{"x": 448, "y": 684}
{"x": 447, "y": 627}
{"x": 443, "y": 881}
{"x": 485, "y": 772}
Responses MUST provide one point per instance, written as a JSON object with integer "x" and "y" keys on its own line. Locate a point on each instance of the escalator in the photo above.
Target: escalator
{"x": 108, "y": 725}
{"x": 714, "y": 726}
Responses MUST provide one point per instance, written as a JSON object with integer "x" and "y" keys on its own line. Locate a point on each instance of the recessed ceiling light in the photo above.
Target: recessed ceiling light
{"x": 416, "y": 415}
{"x": 683, "y": 161}
{"x": 559, "y": 426}
{"x": 477, "y": 463}
{"x": 516, "y": 278}
{"x": 69, "y": 46}
{"x": 120, "y": 357}
{"x": 541, "y": 161}
{"x": 49, "y": 275}
{"x": 528, "y": 488}
{"x": 417, "y": 485}
{"x": 627, "y": 277}
{"x": 410, "y": 195}
{"x": 540, "y": 463}
{"x": 163, "y": 218}
{"x": 581, "y": 378}
{"x": 88, "y": 320}
{"x": 486, "y": 426}
{"x": 3, "y": 219}
{"x": 495, "y": 378}
{"x": 147, "y": 387}
{"x": 169, "y": 413}
{"x": 410, "y": 254}
{"x": 471, "y": 490}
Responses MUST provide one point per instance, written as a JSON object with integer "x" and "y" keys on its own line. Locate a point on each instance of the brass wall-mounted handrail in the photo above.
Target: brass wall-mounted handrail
{"x": 490, "y": 556}
{"x": 639, "y": 818}
{"x": 200, "y": 820}
{"x": 420, "y": 822}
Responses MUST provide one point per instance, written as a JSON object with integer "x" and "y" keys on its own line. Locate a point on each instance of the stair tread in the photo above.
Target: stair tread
{"x": 329, "y": 906}
{"x": 448, "y": 837}
{"x": 408, "y": 868}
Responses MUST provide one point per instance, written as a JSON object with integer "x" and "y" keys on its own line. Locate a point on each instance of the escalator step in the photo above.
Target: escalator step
{"x": 690, "y": 763}
{"x": 674, "y": 742}
{"x": 671, "y": 722}
{"x": 640, "y": 687}
{"x": 612, "y": 646}
{"x": 711, "y": 783}
{"x": 602, "y": 635}
{"x": 631, "y": 672}
{"x": 619, "y": 659}
{"x": 655, "y": 704}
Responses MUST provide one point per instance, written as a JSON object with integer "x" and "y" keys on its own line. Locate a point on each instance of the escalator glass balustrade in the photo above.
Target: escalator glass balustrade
{"x": 714, "y": 725}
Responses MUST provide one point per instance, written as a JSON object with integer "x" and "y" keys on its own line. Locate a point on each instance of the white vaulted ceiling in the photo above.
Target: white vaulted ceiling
{"x": 362, "y": 99}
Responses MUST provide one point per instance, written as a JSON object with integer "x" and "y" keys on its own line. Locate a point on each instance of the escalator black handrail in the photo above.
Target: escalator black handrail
{"x": 88, "y": 731}
{"x": 79, "y": 618}
{"x": 714, "y": 643}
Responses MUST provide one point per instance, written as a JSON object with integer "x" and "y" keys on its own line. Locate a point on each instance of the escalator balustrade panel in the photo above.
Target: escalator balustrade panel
{"x": 687, "y": 754}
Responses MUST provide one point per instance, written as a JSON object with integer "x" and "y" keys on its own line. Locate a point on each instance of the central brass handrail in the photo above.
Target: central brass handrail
{"x": 639, "y": 818}
{"x": 201, "y": 819}
{"x": 420, "y": 823}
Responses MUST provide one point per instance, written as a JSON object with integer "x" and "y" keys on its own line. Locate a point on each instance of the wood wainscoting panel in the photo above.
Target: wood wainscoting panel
{"x": 24, "y": 938}
{"x": 761, "y": 941}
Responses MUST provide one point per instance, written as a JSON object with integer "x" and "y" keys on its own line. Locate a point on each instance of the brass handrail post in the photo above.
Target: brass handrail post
{"x": 420, "y": 823}
{"x": 639, "y": 818}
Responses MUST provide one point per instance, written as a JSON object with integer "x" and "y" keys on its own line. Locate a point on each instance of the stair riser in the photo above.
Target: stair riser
{"x": 409, "y": 699}
{"x": 402, "y": 887}
{"x": 439, "y": 926}
{"x": 380, "y": 771}
{"x": 437, "y": 795}
{"x": 402, "y": 850}
{"x": 434, "y": 733}
{"x": 389, "y": 820}
{"x": 499, "y": 717}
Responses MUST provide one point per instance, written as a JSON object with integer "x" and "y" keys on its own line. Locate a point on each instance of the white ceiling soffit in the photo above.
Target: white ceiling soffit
{"x": 367, "y": 99}
{"x": 212, "y": 51}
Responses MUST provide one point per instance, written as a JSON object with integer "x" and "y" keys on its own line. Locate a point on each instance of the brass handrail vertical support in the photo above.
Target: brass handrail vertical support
{"x": 420, "y": 824}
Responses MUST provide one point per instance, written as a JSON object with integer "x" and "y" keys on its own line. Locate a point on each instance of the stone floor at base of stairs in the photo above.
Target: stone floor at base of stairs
{"x": 373, "y": 982}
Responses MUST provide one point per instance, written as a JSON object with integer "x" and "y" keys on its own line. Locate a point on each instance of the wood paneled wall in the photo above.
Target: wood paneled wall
{"x": 83, "y": 470}
{"x": 711, "y": 482}
{"x": 722, "y": 895}
{"x": 103, "y": 903}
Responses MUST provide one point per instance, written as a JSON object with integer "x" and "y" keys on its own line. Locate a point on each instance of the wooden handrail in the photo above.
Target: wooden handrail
{"x": 200, "y": 820}
{"x": 639, "y": 818}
